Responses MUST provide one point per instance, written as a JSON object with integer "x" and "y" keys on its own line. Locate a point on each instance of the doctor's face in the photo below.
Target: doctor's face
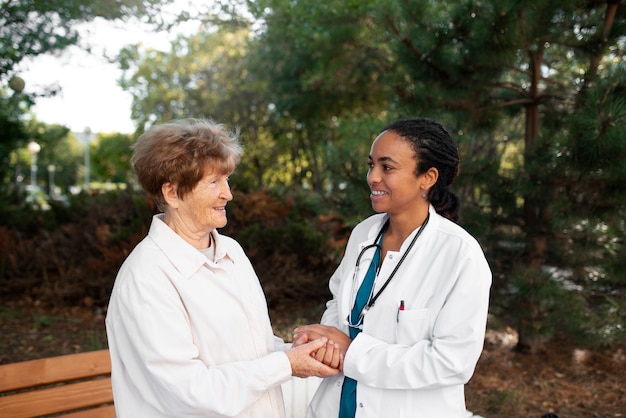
{"x": 391, "y": 177}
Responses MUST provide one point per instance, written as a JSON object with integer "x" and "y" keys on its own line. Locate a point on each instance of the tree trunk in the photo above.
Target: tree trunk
{"x": 536, "y": 210}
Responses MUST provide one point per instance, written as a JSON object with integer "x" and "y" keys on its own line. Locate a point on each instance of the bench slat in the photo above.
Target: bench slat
{"x": 104, "y": 412}
{"x": 32, "y": 373}
{"x": 57, "y": 399}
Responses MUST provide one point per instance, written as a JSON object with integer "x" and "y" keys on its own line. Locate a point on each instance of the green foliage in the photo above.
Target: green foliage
{"x": 606, "y": 327}
{"x": 31, "y": 27}
{"x": 57, "y": 162}
{"x": 533, "y": 92}
{"x": 12, "y": 130}
{"x": 596, "y": 145}
{"x": 347, "y": 158}
{"x": 110, "y": 158}
{"x": 543, "y": 306}
{"x": 208, "y": 76}
{"x": 58, "y": 148}
{"x": 589, "y": 210}
{"x": 319, "y": 56}
{"x": 322, "y": 62}
{"x": 526, "y": 68}
{"x": 552, "y": 305}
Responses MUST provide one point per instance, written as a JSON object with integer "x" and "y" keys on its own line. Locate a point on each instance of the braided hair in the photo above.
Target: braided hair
{"x": 434, "y": 147}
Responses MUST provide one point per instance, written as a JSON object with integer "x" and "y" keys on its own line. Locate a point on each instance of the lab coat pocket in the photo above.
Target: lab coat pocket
{"x": 412, "y": 326}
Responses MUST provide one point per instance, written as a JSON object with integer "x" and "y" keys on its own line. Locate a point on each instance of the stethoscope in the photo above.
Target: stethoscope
{"x": 373, "y": 297}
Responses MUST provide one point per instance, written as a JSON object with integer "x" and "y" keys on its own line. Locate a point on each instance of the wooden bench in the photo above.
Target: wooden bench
{"x": 79, "y": 386}
{"x": 76, "y": 384}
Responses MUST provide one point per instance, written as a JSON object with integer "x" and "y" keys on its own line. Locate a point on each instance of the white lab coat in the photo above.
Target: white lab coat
{"x": 411, "y": 363}
{"x": 191, "y": 337}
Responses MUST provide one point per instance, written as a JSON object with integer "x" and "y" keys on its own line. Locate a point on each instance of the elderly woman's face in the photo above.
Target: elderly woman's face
{"x": 204, "y": 208}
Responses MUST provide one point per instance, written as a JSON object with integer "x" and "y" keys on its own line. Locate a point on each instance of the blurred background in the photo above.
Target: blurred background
{"x": 533, "y": 91}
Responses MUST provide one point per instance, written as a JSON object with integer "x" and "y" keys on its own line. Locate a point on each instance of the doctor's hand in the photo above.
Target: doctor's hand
{"x": 313, "y": 331}
{"x": 305, "y": 364}
{"x": 330, "y": 355}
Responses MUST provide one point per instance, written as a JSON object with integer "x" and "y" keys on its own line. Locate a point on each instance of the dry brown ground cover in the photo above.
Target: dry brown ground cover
{"x": 568, "y": 380}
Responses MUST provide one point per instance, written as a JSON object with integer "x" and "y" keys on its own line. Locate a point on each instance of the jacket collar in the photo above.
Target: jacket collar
{"x": 380, "y": 219}
{"x": 185, "y": 258}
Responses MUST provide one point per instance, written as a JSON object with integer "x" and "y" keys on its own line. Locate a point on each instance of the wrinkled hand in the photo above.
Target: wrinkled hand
{"x": 304, "y": 362}
{"x": 315, "y": 331}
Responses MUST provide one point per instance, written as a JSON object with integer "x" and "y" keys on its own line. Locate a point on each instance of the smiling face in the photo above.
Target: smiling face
{"x": 395, "y": 189}
{"x": 200, "y": 211}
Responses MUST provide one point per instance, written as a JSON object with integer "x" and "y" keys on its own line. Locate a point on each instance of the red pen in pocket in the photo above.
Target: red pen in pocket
{"x": 400, "y": 308}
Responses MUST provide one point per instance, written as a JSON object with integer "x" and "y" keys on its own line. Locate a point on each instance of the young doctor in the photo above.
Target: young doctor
{"x": 411, "y": 295}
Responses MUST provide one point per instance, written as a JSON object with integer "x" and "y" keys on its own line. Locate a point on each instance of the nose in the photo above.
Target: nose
{"x": 372, "y": 176}
{"x": 226, "y": 193}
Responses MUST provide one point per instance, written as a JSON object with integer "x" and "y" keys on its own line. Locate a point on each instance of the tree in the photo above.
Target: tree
{"x": 492, "y": 60}
{"x": 110, "y": 159}
{"x": 29, "y": 28}
{"x": 12, "y": 131}
{"x": 323, "y": 62}
{"x": 207, "y": 76}
{"x": 531, "y": 88}
{"x": 58, "y": 148}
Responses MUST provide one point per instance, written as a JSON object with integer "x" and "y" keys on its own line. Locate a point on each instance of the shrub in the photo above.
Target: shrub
{"x": 70, "y": 254}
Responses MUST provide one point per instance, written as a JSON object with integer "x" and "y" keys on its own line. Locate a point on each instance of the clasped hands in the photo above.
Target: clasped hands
{"x": 325, "y": 344}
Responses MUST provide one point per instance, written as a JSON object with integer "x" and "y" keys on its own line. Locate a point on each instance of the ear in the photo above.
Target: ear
{"x": 429, "y": 178}
{"x": 170, "y": 194}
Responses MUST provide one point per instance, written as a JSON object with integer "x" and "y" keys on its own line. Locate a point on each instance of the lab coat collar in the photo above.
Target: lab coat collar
{"x": 185, "y": 258}
{"x": 378, "y": 222}
{"x": 380, "y": 219}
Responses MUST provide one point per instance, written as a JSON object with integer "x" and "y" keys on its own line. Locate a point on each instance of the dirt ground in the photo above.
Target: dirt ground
{"x": 566, "y": 380}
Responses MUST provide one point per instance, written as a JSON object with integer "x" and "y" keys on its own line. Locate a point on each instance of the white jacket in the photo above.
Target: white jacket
{"x": 411, "y": 363}
{"x": 191, "y": 337}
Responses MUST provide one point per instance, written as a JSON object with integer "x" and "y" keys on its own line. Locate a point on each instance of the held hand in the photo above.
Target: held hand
{"x": 310, "y": 332}
{"x": 299, "y": 339}
{"x": 330, "y": 355}
{"x": 303, "y": 364}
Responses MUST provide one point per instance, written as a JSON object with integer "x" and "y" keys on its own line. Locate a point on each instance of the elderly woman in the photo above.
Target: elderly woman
{"x": 188, "y": 327}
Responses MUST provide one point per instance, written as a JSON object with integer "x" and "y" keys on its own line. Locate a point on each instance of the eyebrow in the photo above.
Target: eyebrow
{"x": 383, "y": 159}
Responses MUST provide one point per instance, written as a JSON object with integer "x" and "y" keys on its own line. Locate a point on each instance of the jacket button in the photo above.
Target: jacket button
{"x": 360, "y": 404}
